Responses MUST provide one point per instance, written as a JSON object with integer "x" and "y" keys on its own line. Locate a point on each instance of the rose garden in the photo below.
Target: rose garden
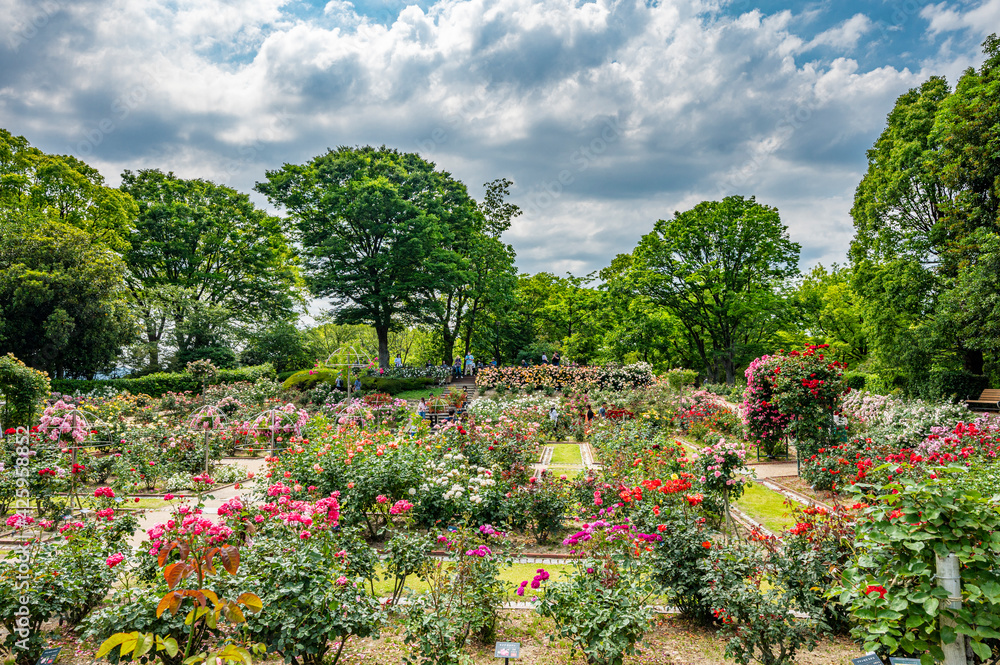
{"x": 246, "y": 521}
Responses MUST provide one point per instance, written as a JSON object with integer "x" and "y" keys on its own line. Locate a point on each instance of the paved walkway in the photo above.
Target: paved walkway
{"x": 150, "y": 518}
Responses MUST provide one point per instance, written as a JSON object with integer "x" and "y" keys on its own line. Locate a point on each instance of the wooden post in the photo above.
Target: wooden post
{"x": 949, "y": 578}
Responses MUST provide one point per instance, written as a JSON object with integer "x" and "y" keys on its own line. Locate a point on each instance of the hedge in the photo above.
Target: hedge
{"x": 955, "y": 385}
{"x": 159, "y": 383}
{"x": 308, "y": 379}
{"x": 24, "y": 389}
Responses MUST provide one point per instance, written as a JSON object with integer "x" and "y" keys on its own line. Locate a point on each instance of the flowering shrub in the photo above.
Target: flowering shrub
{"x": 792, "y": 394}
{"x": 602, "y": 607}
{"x": 565, "y": 377}
{"x": 743, "y": 583}
{"x": 463, "y": 600}
{"x": 891, "y": 589}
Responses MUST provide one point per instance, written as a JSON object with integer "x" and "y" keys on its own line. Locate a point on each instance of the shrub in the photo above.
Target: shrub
{"x": 309, "y": 379}
{"x": 678, "y": 378}
{"x": 602, "y": 607}
{"x": 756, "y": 613}
{"x": 24, "y": 389}
{"x": 792, "y": 394}
{"x": 891, "y": 588}
{"x": 955, "y": 385}
{"x": 160, "y": 383}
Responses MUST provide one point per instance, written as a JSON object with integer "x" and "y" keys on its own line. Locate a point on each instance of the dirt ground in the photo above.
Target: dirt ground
{"x": 670, "y": 641}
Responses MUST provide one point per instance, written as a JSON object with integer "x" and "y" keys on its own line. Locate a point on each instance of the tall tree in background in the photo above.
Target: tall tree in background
{"x": 63, "y": 303}
{"x": 926, "y": 219}
{"x": 719, "y": 268}
{"x": 831, "y": 313}
{"x": 61, "y": 188}
{"x": 482, "y": 261}
{"x": 204, "y": 262}
{"x": 378, "y": 229}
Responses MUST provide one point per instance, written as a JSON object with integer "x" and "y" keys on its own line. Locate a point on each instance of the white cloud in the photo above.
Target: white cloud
{"x": 945, "y": 17}
{"x": 608, "y": 114}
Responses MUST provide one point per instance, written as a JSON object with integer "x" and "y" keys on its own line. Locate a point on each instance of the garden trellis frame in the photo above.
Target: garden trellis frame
{"x": 209, "y": 418}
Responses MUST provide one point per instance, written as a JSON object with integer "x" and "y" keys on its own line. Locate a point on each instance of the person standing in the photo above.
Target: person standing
{"x": 554, "y": 417}
{"x": 456, "y": 370}
{"x": 470, "y": 364}
{"x": 590, "y": 415}
{"x": 603, "y": 411}
{"x": 422, "y": 408}
{"x": 555, "y": 359}
{"x": 357, "y": 385}
{"x": 524, "y": 362}
{"x": 399, "y": 361}
{"x": 545, "y": 359}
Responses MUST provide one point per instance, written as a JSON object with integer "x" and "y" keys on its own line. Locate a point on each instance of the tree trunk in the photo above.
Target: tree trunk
{"x": 383, "y": 346}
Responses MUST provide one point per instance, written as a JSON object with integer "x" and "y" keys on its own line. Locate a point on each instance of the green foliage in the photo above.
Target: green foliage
{"x": 718, "y": 267}
{"x": 308, "y": 379}
{"x": 678, "y": 378}
{"x": 377, "y": 228}
{"x": 958, "y": 385}
{"x": 283, "y": 345}
{"x": 926, "y": 252}
{"x": 602, "y": 607}
{"x": 890, "y": 587}
{"x": 744, "y": 584}
{"x": 309, "y": 602}
{"x": 24, "y": 389}
{"x": 464, "y": 596}
{"x": 63, "y": 302}
{"x": 160, "y": 383}
{"x": 204, "y": 264}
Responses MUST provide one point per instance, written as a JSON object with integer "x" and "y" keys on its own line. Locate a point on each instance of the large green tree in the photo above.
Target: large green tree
{"x": 63, "y": 302}
{"x": 204, "y": 264}
{"x": 926, "y": 219}
{"x": 720, "y": 268}
{"x": 378, "y": 229}
{"x": 34, "y": 184}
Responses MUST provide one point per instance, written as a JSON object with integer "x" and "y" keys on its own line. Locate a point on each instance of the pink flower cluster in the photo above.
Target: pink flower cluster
{"x": 115, "y": 559}
{"x": 19, "y": 521}
{"x": 107, "y": 513}
{"x": 57, "y": 420}
{"x": 105, "y": 492}
{"x": 540, "y": 576}
{"x": 400, "y": 507}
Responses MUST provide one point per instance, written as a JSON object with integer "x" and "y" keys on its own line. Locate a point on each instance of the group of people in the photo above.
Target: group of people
{"x": 588, "y": 414}
{"x": 556, "y": 360}
{"x": 423, "y": 410}
{"x": 339, "y": 385}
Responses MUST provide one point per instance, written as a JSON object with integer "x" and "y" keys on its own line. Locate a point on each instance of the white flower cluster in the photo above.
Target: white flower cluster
{"x": 457, "y": 479}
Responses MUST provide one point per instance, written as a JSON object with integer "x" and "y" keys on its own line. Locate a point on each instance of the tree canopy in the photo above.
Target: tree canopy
{"x": 204, "y": 263}
{"x": 719, "y": 268}
{"x": 379, "y": 230}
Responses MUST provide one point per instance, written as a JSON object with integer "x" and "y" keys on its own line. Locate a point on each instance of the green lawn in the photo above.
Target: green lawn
{"x": 513, "y": 576}
{"x": 423, "y": 392}
{"x": 766, "y": 507}
{"x": 566, "y": 453}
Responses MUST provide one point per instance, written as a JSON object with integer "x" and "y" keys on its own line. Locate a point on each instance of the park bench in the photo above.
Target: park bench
{"x": 988, "y": 401}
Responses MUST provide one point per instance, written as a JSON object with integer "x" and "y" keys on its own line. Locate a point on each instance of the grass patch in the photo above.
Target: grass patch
{"x": 513, "y": 576}
{"x": 566, "y": 453}
{"x": 422, "y": 392}
{"x": 766, "y": 507}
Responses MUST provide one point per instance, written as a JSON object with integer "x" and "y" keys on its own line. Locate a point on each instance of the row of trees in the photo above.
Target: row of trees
{"x": 166, "y": 270}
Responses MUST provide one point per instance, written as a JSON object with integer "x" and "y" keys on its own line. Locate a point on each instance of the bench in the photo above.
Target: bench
{"x": 988, "y": 401}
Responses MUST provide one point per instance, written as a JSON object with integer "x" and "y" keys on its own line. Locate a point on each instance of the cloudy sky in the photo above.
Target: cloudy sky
{"x": 608, "y": 115}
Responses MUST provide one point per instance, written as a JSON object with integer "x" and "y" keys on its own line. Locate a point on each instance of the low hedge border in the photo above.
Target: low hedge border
{"x": 159, "y": 383}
